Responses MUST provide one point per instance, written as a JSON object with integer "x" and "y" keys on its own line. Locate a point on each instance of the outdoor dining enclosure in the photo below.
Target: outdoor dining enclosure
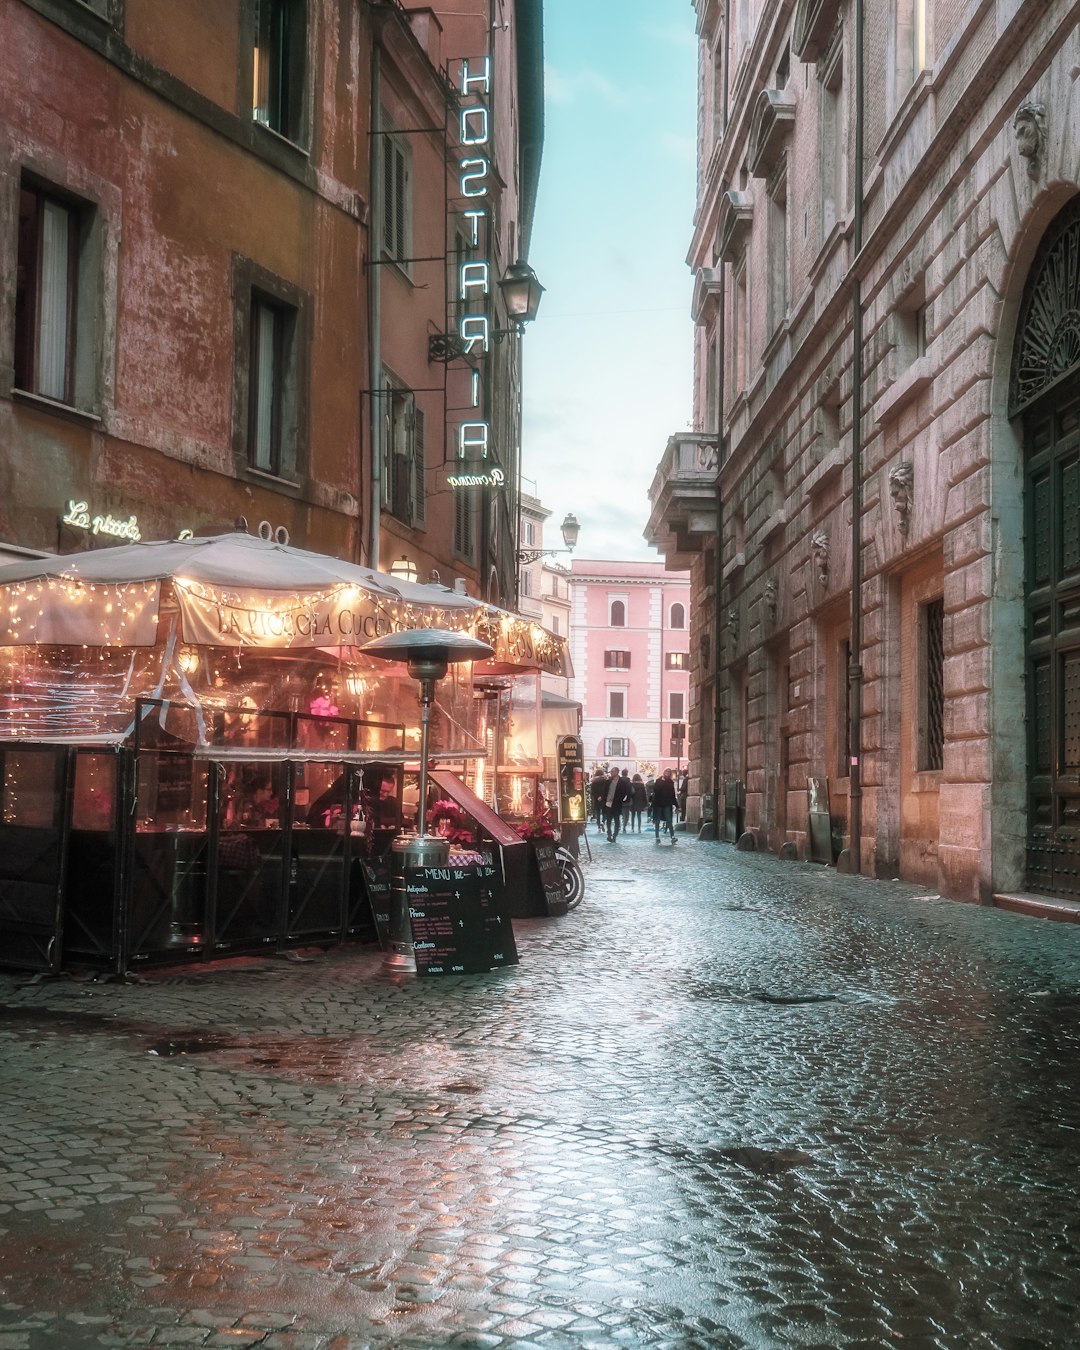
{"x": 197, "y": 758}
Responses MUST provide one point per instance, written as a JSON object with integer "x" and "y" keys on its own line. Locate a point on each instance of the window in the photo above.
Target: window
{"x": 912, "y": 45}
{"x": 616, "y": 745}
{"x": 555, "y": 624}
{"x": 712, "y": 387}
{"x": 617, "y": 614}
{"x": 47, "y": 291}
{"x": 404, "y": 467}
{"x": 616, "y": 702}
{"x": 465, "y": 523}
{"x": 278, "y": 66}
{"x": 396, "y": 190}
{"x": 677, "y": 661}
{"x": 778, "y": 248}
{"x": 932, "y": 721}
{"x": 843, "y": 710}
{"x": 833, "y": 175}
{"x": 910, "y": 327}
{"x": 740, "y": 344}
{"x": 676, "y": 706}
{"x": 272, "y": 430}
{"x": 526, "y": 582}
{"x": 528, "y": 533}
{"x": 616, "y": 660}
{"x": 678, "y": 616}
{"x": 270, "y": 391}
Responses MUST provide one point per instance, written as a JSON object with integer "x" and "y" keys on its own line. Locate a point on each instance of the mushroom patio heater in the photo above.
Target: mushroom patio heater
{"x": 428, "y": 653}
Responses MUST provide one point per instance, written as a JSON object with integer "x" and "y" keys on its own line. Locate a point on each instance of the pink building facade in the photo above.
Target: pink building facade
{"x": 630, "y": 642}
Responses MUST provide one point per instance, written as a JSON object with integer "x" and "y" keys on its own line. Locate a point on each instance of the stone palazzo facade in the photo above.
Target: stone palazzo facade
{"x": 935, "y": 286}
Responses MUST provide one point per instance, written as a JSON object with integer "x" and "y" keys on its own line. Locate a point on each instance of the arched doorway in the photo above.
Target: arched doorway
{"x": 1044, "y": 391}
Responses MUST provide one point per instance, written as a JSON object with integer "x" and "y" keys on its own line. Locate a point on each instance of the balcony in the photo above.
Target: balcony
{"x": 682, "y": 521}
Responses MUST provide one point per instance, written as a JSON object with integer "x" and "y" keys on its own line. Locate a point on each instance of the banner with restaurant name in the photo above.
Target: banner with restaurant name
{"x": 350, "y": 617}
{"x": 343, "y": 618}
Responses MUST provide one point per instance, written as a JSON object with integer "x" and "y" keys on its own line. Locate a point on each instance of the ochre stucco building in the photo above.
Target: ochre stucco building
{"x": 231, "y": 245}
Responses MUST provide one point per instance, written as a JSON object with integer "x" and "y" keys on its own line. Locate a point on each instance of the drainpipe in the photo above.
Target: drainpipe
{"x": 718, "y": 555}
{"x": 375, "y": 304}
{"x": 855, "y": 670}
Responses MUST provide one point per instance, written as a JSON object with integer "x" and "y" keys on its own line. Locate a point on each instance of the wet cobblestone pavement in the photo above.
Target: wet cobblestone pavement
{"x": 729, "y": 1102}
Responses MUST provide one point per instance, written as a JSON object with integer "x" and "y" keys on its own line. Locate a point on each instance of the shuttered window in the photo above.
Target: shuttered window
{"x": 396, "y": 189}
{"x": 404, "y": 466}
{"x": 46, "y": 295}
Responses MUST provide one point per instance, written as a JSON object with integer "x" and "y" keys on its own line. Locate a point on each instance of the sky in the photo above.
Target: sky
{"x": 608, "y": 361}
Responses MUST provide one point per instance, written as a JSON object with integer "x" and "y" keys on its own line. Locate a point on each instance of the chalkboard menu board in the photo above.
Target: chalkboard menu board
{"x": 376, "y": 876}
{"x": 550, "y": 875}
{"x": 458, "y": 923}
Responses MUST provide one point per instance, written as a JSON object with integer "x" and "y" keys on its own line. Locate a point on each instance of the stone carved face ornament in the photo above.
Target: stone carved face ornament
{"x": 819, "y": 549}
{"x": 901, "y": 483}
{"x": 1029, "y": 127}
{"x": 771, "y": 597}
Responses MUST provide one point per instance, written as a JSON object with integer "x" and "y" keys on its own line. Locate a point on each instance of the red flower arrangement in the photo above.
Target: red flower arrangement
{"x": 449, "y": 820}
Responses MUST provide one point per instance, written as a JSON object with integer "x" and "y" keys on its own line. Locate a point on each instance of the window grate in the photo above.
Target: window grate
{"x": 935, "y": 685}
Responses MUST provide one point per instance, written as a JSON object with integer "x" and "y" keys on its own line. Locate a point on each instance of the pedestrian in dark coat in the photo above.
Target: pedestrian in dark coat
{"x": 663, "y": 805}
{"x": 638, "y": 802}
{"x": 627, "y": 800}
{"x": 597, "y": 789}
{"x": 617, "y": 792}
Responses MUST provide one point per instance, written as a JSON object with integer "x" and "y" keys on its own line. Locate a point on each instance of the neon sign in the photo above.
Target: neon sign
{"x": 78, "y": 515}
{"x": 474, "y": 273}
{"x": 494, "y": 478}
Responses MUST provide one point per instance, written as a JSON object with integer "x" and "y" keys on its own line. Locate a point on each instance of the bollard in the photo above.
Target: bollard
{"x": 409, "y": 850}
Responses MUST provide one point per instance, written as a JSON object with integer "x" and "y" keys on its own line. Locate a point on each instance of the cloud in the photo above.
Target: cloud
{"x": 582, "y": 85}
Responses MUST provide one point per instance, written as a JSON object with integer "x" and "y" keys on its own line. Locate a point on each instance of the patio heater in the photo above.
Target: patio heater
{"x": 428, "y": 653}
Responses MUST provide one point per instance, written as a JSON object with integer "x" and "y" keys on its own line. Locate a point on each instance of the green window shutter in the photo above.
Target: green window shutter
{"x": 419, "y": 503}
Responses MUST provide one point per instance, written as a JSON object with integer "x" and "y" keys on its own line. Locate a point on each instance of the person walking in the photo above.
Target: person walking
{"x": 597, "y": 792}
{"x": 639, "y": 801}
{"x": 618, "y": 789}
{"x": 681, "y": 794}
{"x": 627, "y": 800}
{"x": 650, "y": 787}
{"x": 663, "y": 805}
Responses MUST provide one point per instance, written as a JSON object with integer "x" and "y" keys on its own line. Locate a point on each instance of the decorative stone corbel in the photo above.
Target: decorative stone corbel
{"x": 771, "y": 596}
{"x": 1029, "y": 128}
{"x": 733, "y": 621}
{"x": 819, "y": 549}
{"x": 901, "y": 484}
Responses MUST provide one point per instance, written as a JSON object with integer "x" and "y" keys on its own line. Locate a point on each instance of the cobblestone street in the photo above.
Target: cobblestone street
{"x": 729, "y": 1102}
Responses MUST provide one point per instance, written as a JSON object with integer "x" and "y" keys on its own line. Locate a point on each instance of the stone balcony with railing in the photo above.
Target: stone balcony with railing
{"x": 682, "y": 521}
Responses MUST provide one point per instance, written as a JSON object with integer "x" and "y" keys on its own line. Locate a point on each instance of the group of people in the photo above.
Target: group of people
{"x": 621, "y": 801}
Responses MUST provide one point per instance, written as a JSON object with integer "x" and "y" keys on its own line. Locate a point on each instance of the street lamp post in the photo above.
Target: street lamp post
{"x": 570, "y": 531}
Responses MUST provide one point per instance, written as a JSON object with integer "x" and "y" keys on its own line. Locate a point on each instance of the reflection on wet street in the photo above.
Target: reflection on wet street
{"x": 729, "y": 1102}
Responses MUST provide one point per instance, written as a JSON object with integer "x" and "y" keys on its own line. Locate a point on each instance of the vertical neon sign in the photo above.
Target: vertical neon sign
{"x": 474, "y": 273}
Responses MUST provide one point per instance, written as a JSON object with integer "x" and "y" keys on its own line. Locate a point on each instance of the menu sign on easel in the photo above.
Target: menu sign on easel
{"x": 570, "y": 756}
{"x": 376, "y": 876}
{"x": 458, "y": 923}
{"x": 551, "y": 878}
